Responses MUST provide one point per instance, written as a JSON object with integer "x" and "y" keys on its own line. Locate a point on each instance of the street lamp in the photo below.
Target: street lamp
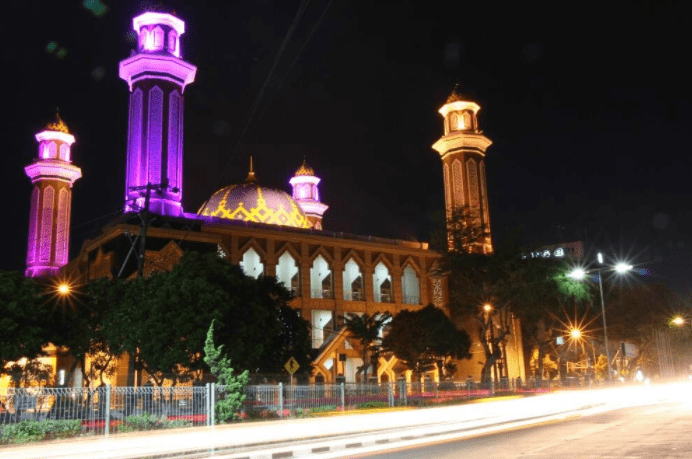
{"x": 579, "y": 274}
{"x": 64, "y": 289}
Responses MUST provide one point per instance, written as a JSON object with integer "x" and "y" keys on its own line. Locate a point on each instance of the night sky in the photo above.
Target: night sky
{"x": 588, "y": 109}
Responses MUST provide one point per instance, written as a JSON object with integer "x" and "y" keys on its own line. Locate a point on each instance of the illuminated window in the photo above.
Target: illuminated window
{"x": 353, "y": 281}
{"x": 454, "y": 122}
{"x": 158, "y": 38}
{"x": 321, "y": 325}
{"x": 382, "y": 284}
{"x": 64, "y": 152}
{"x": 252, "y": 264}
{"x": 321, "y": 279}
{"x": 466, "y": 121}
{"x": 287, "y": 272}
{"x": 52, "y": 150}
{"x": 172, "y": 42}
{"x": 410, "y": 287}
{"x": 63, "y": 231}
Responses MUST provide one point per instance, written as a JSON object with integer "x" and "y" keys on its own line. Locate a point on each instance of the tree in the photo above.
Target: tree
{"x": 23, "y": 328}
{"x": 426, "y": 339}
{"x": 293, "y": 341}
{"x": 220, "y": 367}
{"x": 366, "y": 328}
{"x": 163, "y": 318}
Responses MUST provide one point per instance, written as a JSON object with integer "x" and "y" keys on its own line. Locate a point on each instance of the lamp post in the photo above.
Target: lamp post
{"x": 580, "y": 274}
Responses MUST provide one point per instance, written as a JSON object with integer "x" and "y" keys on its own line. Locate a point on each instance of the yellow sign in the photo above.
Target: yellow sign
{"x": 292, "y": 365}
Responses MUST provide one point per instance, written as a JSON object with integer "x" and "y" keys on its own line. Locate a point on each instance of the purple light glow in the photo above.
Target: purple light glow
{"x": 151, "y": 18}
{"x": 55, "y": 135}
{"x": 63, "y": 231}
{"x": 46, "y": 225}
{"x": 33, "y": 221}
{"x": 158, "y": 67}
{"x": 155, "y": 135}
{"x": 134, "y": 153}
{"x": 175, "y": 156}
{"x": 54, "y": 169}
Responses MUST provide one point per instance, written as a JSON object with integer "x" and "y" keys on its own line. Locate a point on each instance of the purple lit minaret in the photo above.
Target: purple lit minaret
{"x": 157, "y": 77}
{"x": 52, "y": 175}
{"x": 307, "y": 196}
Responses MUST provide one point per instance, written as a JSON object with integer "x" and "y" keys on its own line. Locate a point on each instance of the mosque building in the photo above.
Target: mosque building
{"x": 266, "y": 231}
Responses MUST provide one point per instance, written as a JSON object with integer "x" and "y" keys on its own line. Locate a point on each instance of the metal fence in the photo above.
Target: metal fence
{"x": 107, "y": 410}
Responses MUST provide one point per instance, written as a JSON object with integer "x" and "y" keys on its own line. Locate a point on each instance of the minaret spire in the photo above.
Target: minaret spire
{"x": 157, "y": 77}
{"x": 52, "y": 175}
{"x": 462, "y": 150}
{"x": 251, "y": 173}
{"x": 306, "y": 194}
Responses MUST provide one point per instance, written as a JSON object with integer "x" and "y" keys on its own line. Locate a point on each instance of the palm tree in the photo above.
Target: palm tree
{"x": 367, "y": 328}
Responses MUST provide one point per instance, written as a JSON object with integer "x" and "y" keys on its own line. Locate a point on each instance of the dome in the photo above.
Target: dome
{"x": 456, "y": 96}
{"x": 251, "y": 202}
{"x": 304, "y": 169}
{"x": 59, "y": 125}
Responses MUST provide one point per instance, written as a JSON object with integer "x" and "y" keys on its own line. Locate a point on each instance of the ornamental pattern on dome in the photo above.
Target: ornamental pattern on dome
{"x": 252, "y": 203}
{"x": 59, "y": 125}
{"x": 457, "y": 96}
{"x": 304, "y": 169}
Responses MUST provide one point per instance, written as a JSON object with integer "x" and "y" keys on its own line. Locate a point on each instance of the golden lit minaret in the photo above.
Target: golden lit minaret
{"x": 462, "y": 149}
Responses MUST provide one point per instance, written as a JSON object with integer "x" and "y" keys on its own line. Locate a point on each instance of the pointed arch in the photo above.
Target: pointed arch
{"x": 382, "y": 257}
{"x": 410, "y": 284}
{"x": 382, "y": 280}
{"x": 353, "y": 280}
{"x": 62, "y": 237}
{"x": 289, "y": 247}
{"x": 352, "y": 254}
{"x": 158, "y": 38}
{"x": 321, "y": 278}
{"x": 251, "y": 262}
{"x": 458, "y": 180}
{"x": 324, "y": 253}
{"x": 155, "y": 134}
{"x": 288, "y": 271}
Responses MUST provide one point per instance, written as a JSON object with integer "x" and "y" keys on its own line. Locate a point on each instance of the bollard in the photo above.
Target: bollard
{"x": 212, "y": 404}
{"x": 108, "y": 409}
{"x": 343, "y": 399}
{"x": 207, "y": 409}
{"x": 390, "y": 394}
{"x": 281, "y": 400}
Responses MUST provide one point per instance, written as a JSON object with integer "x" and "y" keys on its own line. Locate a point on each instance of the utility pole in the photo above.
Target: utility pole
{"x": 144, "y": 190}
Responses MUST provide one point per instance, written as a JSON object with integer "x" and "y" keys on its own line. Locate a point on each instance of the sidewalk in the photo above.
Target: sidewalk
{"x": 237, "y": 438}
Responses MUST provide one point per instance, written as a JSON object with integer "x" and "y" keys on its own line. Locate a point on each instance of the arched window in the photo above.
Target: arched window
{"x": 466, "y": 120}
{"x": 143, "y": 35}
{"x": 172, "y": 42}
{"x": 321, "y": 279}
{"x": 410, "y": 286}
{"x": 62, "y": 235}
{"x": 382, "y": 284}
{"x": 64, "y": 152}
{"x": 158, "y": 38}
{"x": 287, "y": 272}
{"x": 33, "y": 221}
{"x": 322, "y": 325}
{"x": 251, "y": 264}
{"x": 453, "y": 122}
{"x": 353, "y": 282}
{"x": 52, "y": 150}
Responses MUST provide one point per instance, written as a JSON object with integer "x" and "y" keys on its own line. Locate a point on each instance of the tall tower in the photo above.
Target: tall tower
{"x": 52, "y": 175}
{"x": 157, "y": 77}
{"x": 306, "y": 194}
{"x": 462, "y": 149}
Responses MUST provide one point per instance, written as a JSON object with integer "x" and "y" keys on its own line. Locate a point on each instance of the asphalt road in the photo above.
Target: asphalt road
{"x": 659, "y": 431}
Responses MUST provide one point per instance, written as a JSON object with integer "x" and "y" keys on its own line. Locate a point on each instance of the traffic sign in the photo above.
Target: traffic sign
{"x": 292, "y": 365}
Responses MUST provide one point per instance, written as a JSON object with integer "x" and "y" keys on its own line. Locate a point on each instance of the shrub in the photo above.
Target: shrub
{"x": 28, "y": 431}
{"x": 372, "y": 405}
{"x": 324, "y": 409}
{"x": 147, "y": 421}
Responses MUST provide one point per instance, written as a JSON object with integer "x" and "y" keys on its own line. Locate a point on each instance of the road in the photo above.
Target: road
{"x": 658, "y": 431}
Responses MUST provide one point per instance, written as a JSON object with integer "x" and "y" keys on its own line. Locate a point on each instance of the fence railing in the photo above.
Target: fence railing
{"x": 106, "y": 410}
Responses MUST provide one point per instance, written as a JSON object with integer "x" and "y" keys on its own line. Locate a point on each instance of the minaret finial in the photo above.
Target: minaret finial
{"x": 251, "y": 173}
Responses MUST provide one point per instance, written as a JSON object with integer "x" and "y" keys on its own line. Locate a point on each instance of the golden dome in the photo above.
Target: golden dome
{"x": 457, "y": 96}
{"x": 251, "y": 202}
{"x": 304, "y": 169}
{"x": 59, "y": 125}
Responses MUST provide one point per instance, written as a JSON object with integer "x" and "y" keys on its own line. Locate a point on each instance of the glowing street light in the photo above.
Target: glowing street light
{"x": 678, "y": 321}
{"x": 487, "y": 307}
{"x": 64, "y": 289}
{"x": 579, "y": 274}
{"x": 575, "y": 333}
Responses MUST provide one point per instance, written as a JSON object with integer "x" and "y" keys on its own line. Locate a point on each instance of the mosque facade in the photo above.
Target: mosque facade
{"x": 266, "y": 231}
